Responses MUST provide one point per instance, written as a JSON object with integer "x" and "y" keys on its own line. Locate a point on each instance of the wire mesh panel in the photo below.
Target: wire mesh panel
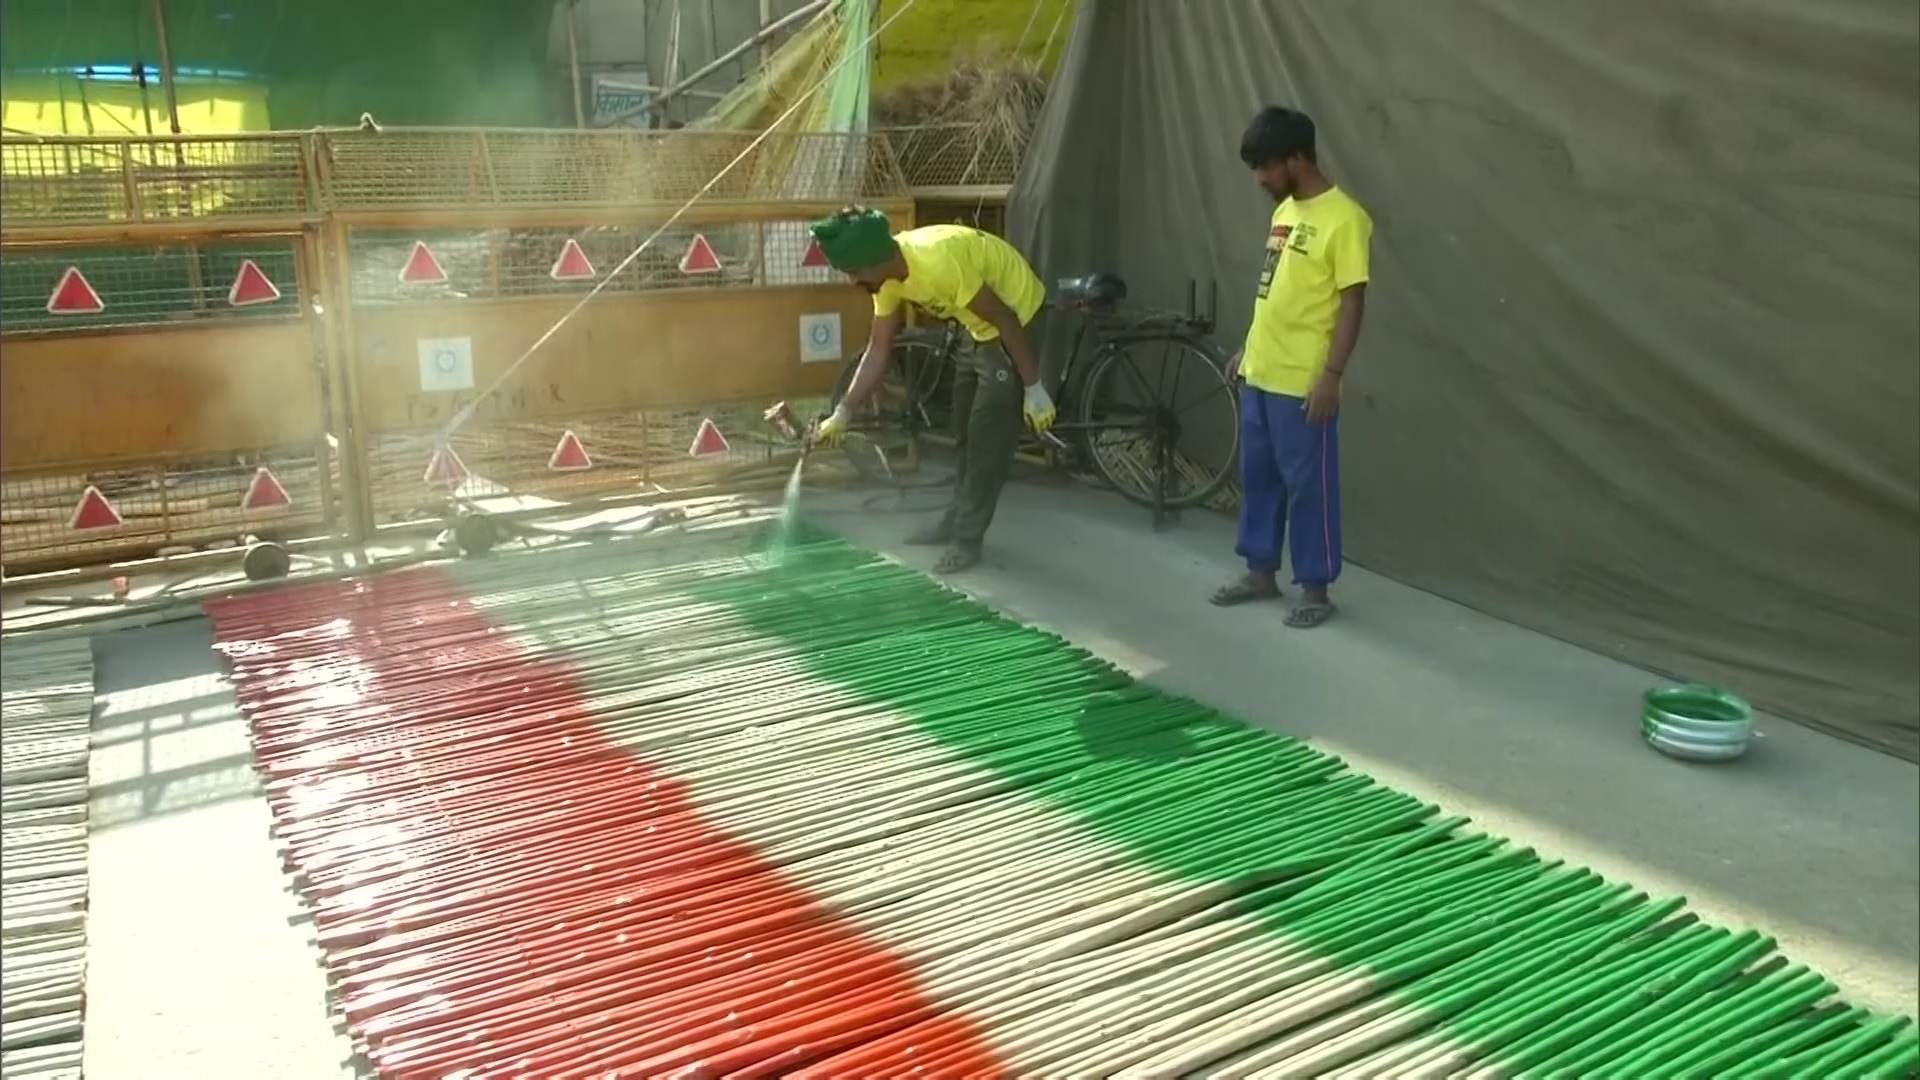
{"x": 956, "y": 155}
{"x": 625, "y": 453}
{"x": 883, "y": 178}
{"x": 503, "y": 459}
{"x": 675, "y": 435}
{"x": 50, "y": 519}
{"x": 413, "y": 168}
{"x": 144, "y": 286}
{"x": 711, "y": 256}
{"x": 828, "y": 168}
{"x": 985, "y": 214}
{"x": 788, "y": 247}
{"x": 600, "y": 167}
{"x": 70, "y": 181}
{"x": 493, "y": 263}
{"x": 386, "y": 268}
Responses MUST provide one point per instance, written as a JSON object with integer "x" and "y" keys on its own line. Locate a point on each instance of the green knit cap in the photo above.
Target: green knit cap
{"x": 854, "y": 239}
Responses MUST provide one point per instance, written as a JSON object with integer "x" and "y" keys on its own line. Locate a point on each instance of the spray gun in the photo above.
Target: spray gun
{"x": 867, "y": 459}
{"x": 780, "y": 417}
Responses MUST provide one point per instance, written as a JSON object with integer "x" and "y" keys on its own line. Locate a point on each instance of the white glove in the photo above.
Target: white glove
{"x": 1039, "y": 408}
{"x": 832, "y": 431}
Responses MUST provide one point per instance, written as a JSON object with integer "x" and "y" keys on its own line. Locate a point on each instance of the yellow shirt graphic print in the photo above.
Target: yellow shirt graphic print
{"x": 947, "y": 265}
{"x": 1316, "y": 249}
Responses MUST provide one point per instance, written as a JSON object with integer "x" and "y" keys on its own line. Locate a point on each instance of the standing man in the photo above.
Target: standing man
{"x": 978, "y": 279}
{"x": 1306, "y": 319}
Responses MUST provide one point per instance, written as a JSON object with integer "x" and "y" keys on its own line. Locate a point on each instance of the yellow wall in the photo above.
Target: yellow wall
{"x": 920, "y": 47}
{"x": 53, "y": 105}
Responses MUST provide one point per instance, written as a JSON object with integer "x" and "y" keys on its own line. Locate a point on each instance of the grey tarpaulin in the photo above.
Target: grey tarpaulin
{"x": 1642, "y": 360}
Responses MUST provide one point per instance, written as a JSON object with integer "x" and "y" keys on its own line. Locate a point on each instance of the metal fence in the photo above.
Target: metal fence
{"x": 511, "y": 262}
{"x": 937, "y": 159}
{"x": 61, "y": 180}
{"x": 144, "y": 286}
{"x": 632, "y": 451}
{"x": 560, "y": 169}
{"x": 75, "y": 180}
{"x": 52, "y": 518}
{"x": 163, "y": 232}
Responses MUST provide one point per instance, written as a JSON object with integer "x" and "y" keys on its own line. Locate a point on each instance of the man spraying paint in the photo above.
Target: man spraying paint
{"x": 979, "y": 280}
{"x": 1306, "y": 318}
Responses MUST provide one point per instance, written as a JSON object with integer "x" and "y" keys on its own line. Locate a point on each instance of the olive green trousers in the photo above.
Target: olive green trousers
{"x": 988, "y": 423}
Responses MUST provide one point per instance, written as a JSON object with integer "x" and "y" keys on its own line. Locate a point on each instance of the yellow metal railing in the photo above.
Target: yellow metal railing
{"x": 55, "y": 181}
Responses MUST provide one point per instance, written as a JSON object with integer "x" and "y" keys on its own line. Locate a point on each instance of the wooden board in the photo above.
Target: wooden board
{"x": 679, "y": 348}
{"x": 73, "y": 398}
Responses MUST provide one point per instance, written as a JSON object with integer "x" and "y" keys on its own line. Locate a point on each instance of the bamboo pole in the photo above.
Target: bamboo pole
{"x": 682, "y": 86}
{"x": 766, "y": 48}
{"x": 86, "y": 106}
{"x": 673, "y": 63}
{"x": 573, "y": 62}
{"x": 171, "y": 92}
{"x": 167, "y": 85}
{"x": 713, "y": 31}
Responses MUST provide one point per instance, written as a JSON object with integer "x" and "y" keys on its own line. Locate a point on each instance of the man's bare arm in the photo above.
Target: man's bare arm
{"x": 1346, "y": 328}
{"x": 874, "y": 362}
{"x": 988, "y": 305}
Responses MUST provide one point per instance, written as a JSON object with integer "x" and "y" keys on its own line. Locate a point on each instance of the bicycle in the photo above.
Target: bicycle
{"x": 1105, "y": 404}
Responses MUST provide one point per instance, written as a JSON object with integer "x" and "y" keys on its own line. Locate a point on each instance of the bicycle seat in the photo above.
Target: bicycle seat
{"x": 1098, "y": 292}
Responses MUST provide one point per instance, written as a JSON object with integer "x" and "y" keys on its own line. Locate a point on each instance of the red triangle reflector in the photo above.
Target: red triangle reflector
{"x": 708, "y": 442}
{"x": 94, "y": 512}
{"x": 814, "y": 257}
{"x": 569, "y": 455}
{"x": 699, "y": 258}
{"x": 445, "y": 468}
{"x": 265, "y": 492}
{"x": 252, "y": 286}
{"x": 422, "y": 268}
{"x": 74, "y": 296}
{"x": 572, "y": 265}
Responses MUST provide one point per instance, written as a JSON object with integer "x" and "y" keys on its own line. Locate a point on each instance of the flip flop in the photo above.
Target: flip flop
{"x": 957, "y": 558}
{"x": 1241, "y": 592}
{"x": 1308, "y": 614}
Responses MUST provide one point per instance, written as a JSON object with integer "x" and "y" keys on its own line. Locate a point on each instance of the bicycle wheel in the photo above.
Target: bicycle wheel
{"x": 1134, "y": 403}
{"x": 908, "y": 400}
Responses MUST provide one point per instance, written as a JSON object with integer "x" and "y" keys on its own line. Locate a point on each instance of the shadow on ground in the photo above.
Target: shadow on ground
{"x": 166, "y": 733}
{"x": 194, "y": 970}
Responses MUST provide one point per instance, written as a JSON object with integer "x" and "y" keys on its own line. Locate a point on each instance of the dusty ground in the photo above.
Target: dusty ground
{"x": 200, "y": 970}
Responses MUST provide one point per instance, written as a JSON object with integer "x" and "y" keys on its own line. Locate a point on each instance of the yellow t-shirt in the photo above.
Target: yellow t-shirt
{"x": 946, "y": 267}
{"x": 1315, "y": 250}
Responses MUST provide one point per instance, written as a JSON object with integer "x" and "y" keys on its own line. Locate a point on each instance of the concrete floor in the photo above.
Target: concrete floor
{"x": 199, "y": 968}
